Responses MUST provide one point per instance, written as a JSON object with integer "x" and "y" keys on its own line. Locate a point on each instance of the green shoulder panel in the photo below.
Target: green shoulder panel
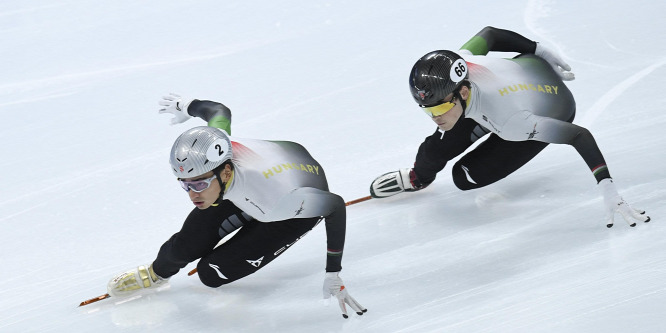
{"x": 221, "y": 122}
{"x": 477, "y": 45}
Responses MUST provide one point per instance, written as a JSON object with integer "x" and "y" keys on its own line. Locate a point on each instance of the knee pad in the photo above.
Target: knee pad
{"x": 462, "y": 179}
{"x": 211, "y": 275}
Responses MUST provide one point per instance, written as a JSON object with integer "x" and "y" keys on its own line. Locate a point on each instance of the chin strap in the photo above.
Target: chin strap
{"x": 463, "y": 102}
{"x": 223, "y": 186}
{"x": 218, "y": 175}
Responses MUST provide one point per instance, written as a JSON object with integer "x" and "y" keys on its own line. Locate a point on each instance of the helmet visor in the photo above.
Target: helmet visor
{"x": 438, "y": 110}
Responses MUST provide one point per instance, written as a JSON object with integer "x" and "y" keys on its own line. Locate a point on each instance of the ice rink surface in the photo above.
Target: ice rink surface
{"x": 88, "y": 191}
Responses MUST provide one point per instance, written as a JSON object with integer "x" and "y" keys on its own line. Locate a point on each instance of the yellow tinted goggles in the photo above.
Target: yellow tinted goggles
{"x": 438, "y": 110}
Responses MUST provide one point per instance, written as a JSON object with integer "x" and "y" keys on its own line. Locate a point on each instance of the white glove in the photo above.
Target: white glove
{"x": 133, "y": 280}
{"x": 333, "y": 285}
{"x": 614, "y": 203}
{"x": 176, "y": 105}
{"x": 560, "y": 67}
{"x": 392, "y": 183}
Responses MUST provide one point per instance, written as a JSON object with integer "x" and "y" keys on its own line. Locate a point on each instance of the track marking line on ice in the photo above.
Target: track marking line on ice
{"x": 609, "y": 97}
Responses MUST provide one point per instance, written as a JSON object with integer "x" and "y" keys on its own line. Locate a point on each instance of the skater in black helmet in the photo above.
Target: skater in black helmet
{"x": 519, "y": 105}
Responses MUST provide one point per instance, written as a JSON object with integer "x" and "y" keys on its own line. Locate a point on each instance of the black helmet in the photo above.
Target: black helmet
{"x": 435, "y": 76}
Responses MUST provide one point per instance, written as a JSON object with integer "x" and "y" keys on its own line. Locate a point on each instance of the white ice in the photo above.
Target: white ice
{"x": 87, "y": 191}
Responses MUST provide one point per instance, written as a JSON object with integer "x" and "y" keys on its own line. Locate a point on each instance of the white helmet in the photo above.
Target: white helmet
{"x": 199, "y": 150}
